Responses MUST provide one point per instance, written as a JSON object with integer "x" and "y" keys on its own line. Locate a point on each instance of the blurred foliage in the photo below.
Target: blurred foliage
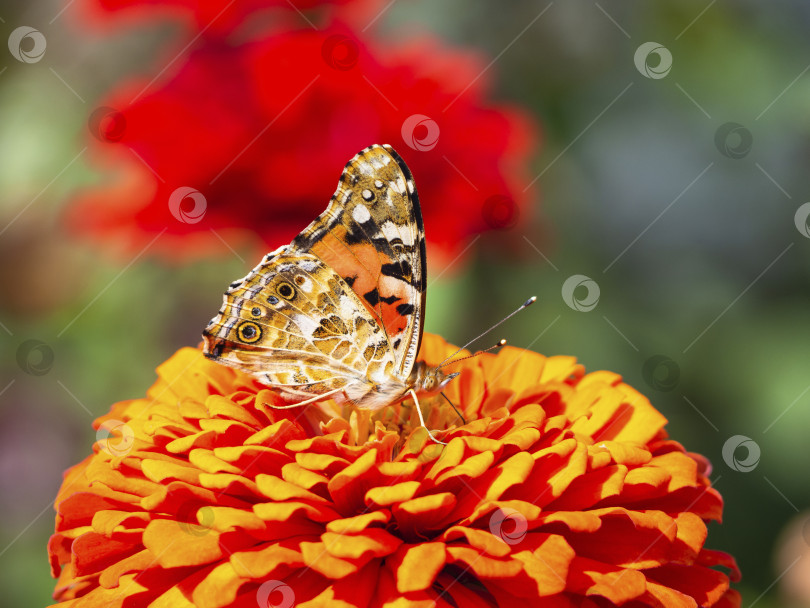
{"x": 713, "y": 276}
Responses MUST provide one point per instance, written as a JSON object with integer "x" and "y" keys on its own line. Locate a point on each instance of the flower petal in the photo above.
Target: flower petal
{"x": 416, "y": 566}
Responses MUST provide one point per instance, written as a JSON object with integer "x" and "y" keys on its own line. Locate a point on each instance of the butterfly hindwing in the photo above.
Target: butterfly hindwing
{"x": 296, "y": 325}
{"x": 371, "y": 234}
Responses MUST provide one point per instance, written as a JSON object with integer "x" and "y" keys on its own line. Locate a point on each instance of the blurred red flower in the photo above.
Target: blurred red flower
{"x": 263, "y": 129}
{"x": 215, "y": 17}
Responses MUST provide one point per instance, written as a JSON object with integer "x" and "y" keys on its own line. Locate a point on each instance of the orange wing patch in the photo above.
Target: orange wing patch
{"x": 372, "y": 235}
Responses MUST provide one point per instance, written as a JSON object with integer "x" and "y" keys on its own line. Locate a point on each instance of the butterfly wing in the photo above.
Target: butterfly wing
{"x": 295, "y": 325}
{"x": 372, "y": 235}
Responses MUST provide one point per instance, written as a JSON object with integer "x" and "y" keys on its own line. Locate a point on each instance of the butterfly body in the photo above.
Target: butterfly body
{"x": 338, "y": 313}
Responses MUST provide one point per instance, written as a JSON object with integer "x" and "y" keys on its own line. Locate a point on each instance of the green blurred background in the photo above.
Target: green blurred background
{"x": 703, "y": 274}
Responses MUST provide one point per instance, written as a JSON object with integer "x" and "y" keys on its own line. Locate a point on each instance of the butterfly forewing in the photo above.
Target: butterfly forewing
{"x": 371, "y": 234}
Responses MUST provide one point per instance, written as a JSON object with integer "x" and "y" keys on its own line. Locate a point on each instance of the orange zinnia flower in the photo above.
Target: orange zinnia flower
{"x": 561, "y": 486}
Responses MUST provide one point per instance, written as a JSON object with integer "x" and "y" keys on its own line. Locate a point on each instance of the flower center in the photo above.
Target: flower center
{"x": 403, "y": 419}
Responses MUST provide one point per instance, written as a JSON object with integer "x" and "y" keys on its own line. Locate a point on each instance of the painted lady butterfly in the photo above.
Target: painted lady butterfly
{"x": 338, "y": 313}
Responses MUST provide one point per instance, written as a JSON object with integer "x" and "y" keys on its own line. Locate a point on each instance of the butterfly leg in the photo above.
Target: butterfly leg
{"x": 455, "y": 409}
{"x": 421, "y": 418}
{"x": 308, "y": 401}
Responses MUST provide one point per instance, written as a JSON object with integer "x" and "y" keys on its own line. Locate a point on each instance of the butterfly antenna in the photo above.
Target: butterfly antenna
{"x": 528, "y": 302}
{"x": 501, "y": 342}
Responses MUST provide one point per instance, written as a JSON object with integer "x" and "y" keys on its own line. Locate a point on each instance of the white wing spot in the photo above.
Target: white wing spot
{"x": 367, "y": 194}
{"x": 305, "y": 324}
{"x": 308, "y": 266}
{"x": 391, "y": 231}
{"x": 360, "y": 214}
{"x": 306, "y": 286}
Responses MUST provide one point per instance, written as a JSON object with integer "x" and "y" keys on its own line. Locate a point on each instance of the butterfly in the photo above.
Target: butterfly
{"x": 339, "y": 312}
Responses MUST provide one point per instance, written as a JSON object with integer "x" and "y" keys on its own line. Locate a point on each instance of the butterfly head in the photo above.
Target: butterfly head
{"x": 429, "y": 380}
